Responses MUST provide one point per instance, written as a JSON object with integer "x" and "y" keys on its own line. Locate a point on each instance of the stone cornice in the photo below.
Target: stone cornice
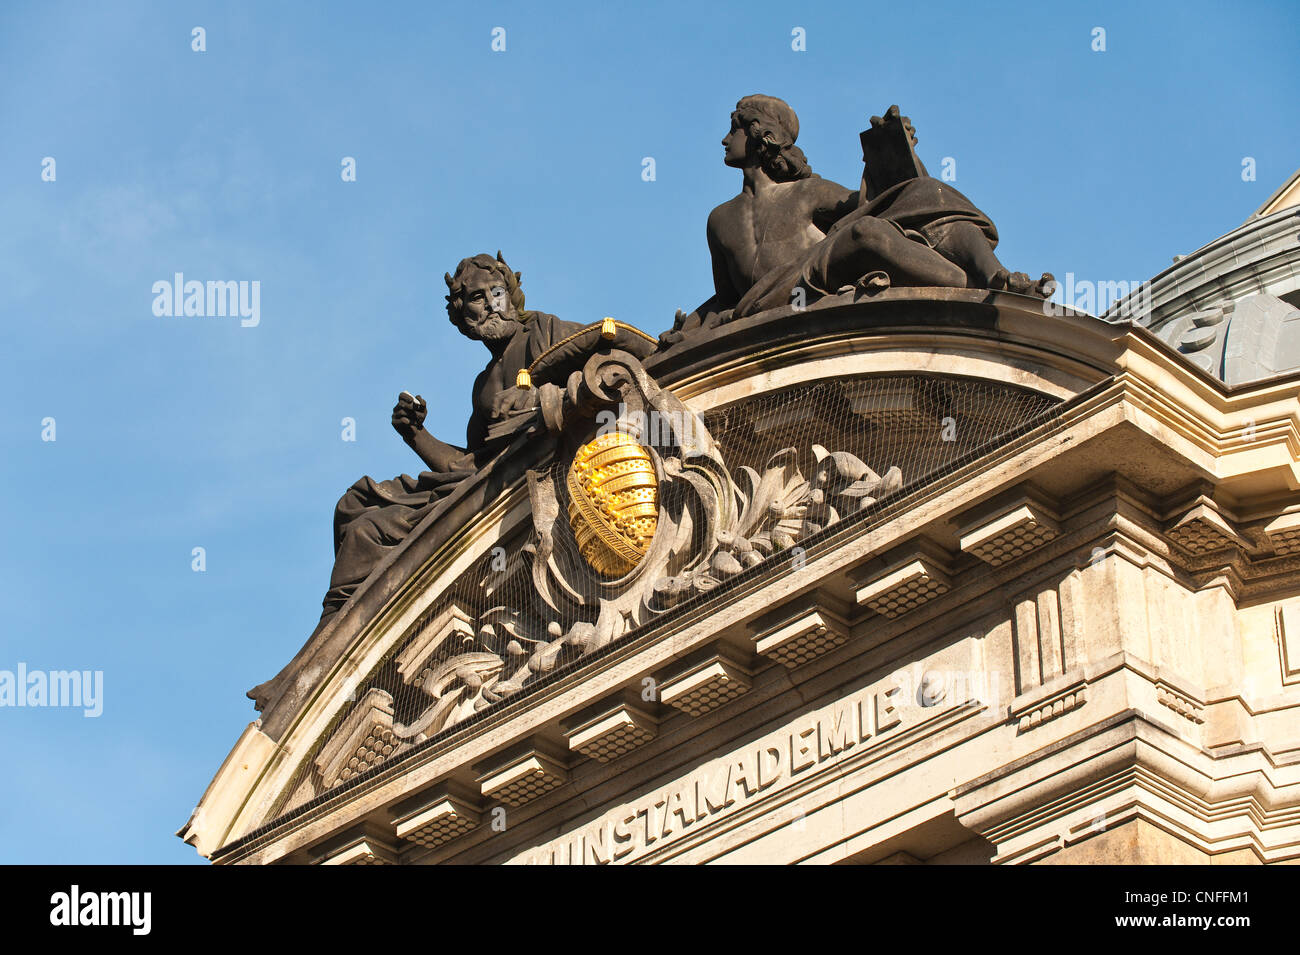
{"x": 1062, "y": 353}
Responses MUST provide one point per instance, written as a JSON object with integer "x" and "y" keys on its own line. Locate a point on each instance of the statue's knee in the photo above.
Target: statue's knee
{"x": 353, "y": 499}
{"x": 966, "y": 234}
{"x": 359, "y": 535}
{"x": 869, "y": 229}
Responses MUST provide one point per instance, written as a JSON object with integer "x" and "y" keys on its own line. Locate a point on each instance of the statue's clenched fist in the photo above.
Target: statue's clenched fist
{"x": 408, "y": 415}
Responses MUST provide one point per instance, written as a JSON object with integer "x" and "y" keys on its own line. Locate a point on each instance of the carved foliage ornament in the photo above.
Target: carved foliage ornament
{"x": 652, "y": 517}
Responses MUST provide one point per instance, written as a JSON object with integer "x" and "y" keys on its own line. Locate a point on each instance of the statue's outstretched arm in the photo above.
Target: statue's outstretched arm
{"x": 408, "y": 421}
{"x": 438, "y": 455}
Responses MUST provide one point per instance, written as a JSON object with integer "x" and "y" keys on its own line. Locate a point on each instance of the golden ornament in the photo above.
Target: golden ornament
{"x": 613, "y": 502}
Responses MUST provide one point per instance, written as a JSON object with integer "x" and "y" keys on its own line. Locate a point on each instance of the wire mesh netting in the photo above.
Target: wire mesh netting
{"x": 921, "y": 425}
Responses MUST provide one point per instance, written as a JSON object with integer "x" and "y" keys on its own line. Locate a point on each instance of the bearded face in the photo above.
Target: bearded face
{"x": 487, "y": 314}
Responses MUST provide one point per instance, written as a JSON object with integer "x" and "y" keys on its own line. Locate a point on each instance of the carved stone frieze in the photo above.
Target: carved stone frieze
{"x": 653, "y": 517}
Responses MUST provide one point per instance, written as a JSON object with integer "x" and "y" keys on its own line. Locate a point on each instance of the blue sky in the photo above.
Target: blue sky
{"x": 176, "y": 433}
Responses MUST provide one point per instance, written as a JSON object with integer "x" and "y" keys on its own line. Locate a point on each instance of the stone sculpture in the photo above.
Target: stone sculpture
{"x": 485, "y": 302}
{"x": 612, "y": 423}
{"x": 638, "y": 509}
{"x": 791, "y": 236}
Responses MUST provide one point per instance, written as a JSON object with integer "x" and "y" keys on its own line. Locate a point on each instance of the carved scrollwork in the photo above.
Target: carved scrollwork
{"x": 708, "y": 527}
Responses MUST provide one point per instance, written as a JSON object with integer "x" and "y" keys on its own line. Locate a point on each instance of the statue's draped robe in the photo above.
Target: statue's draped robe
{"x": 919, "y": 208}
{"x": 375, "y": 516}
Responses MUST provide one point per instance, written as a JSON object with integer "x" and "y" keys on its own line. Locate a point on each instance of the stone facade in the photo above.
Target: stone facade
{"x": 1076, "y": 641}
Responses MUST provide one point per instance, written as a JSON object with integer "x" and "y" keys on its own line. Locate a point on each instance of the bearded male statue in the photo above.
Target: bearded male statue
{"x": 485, "y": 303}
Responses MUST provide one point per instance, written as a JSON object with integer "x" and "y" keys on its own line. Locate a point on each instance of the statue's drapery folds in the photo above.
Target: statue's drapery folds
{"x": 907, "y": 235}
